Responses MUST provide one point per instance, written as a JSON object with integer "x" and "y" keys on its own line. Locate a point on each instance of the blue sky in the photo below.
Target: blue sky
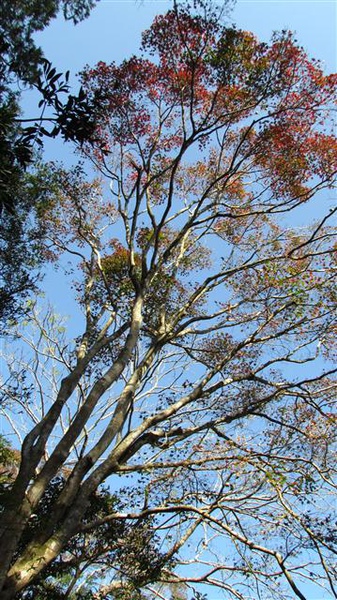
{"x": 113, "y": 29}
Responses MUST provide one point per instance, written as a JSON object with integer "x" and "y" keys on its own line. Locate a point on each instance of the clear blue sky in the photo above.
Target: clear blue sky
{"x": 113, "y": 29}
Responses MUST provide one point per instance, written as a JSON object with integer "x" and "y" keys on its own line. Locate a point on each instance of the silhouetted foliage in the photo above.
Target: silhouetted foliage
{"x": 22, "y": 62}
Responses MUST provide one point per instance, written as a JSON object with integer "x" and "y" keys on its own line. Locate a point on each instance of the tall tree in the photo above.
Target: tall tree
{"x": 203, "y": 371}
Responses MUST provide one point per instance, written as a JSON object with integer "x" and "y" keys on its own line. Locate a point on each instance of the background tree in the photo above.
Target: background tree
{"x": 22, "y": 64}
{"x": 203, "y": 370}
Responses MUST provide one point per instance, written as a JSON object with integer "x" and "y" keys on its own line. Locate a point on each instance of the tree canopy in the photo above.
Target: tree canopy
{"x": 23, "y": 65}
{"x": 19, "y": 21}
{"x": 200, "y": 387}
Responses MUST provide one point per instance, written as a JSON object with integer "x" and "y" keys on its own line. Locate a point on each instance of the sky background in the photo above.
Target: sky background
{"x": 113, "y": 32}
{"x": 114, "y": 27}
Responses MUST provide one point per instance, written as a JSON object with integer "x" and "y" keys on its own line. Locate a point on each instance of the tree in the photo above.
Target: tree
{"x": 127, "y": 549}
{"x": 21, "y": 251}
{"x": 8, "y": 462}
{"x": 23, "y": 64}
{"x": 18, "y": 23}
{"x": 203, "y": 371}
{"x": 22, "y": 61}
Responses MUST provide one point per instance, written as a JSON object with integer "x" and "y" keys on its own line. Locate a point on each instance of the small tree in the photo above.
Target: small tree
{"x": 203, "y": 371}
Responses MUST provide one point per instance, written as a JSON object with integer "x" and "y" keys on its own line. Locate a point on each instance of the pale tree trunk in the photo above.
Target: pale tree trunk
{"x": 20, "y": 508}
{"x": 42, "y": 552}
{"x": 25, "y": 571}
{"x": 39, "y": 555}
